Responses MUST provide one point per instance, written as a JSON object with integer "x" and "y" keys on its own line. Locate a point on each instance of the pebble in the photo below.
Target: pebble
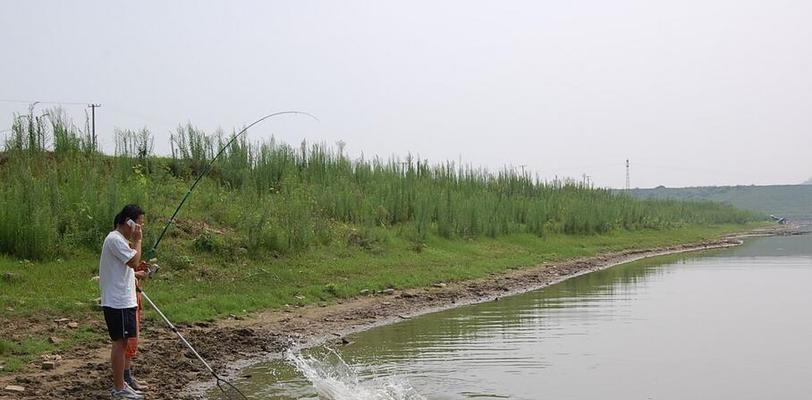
{"x": 15, "y": 388}
{"x": 73, "y": 325}
{"x": 364, "y": 292}
{"x": 48, "y": 364}
{"x": 389, "y": 291}
{"x": 54, "y": 340}
{"x": 440, "y": 285}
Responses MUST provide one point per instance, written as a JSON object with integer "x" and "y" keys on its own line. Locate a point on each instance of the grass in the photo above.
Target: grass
{"x": 212, "y": 286}
{"x": 14, "y": 355}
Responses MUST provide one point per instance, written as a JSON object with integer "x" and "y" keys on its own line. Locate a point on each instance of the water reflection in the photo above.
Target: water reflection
{"x": 778, "y": 246}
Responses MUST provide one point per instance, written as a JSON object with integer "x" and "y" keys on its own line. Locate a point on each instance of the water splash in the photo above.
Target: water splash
{"x": 334, "y": 379}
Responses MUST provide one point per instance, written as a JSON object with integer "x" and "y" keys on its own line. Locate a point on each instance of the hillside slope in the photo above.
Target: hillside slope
{"x": 790, "y": 201}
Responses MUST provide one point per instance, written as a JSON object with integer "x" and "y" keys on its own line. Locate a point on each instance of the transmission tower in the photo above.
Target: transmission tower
{"x": 628, "y": 182}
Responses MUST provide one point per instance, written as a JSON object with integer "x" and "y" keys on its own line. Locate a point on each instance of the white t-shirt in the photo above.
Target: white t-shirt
{"x": 116, "y": 279}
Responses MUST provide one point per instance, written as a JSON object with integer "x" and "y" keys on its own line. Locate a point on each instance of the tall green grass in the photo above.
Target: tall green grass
{"x": 58, "y": 193}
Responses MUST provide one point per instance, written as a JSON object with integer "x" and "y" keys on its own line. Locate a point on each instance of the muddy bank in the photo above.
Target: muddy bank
{"x": 174, "y": 373}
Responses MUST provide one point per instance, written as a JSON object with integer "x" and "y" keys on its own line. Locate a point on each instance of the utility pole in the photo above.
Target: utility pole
{"x": 628, "y": 182}
{"x": 93, "y": 122}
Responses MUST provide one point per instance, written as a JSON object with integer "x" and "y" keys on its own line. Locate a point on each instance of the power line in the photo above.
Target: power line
{"x": 73, "y": 103}
{"x": 138, "y": 115}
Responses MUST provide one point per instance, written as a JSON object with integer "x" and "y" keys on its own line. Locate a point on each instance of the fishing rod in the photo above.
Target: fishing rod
{"x": 152, "y": 251}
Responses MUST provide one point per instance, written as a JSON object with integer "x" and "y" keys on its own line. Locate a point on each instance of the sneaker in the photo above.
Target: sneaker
{"x": 127, "y": 393}
{"x": 127, "y": 385}
{"x": 137, "y": 385}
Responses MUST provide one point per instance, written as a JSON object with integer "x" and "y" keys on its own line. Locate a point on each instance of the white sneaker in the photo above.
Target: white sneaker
{"x": 127, "y": 393}
{"x": 132, "y": 389}
{"x": 137, "y": 385}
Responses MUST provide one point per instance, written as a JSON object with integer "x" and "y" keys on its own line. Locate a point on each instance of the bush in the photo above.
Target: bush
{"x": 209, "y": 243}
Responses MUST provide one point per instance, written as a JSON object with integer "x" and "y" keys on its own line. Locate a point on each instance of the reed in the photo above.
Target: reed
{"x": 273, "y": 197}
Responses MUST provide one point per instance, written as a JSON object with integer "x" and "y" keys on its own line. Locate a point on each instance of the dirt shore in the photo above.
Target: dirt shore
{"x": 174, "y": 373}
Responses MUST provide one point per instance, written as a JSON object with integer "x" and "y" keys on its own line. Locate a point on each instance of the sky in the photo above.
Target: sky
{"x": 693, "y": 93}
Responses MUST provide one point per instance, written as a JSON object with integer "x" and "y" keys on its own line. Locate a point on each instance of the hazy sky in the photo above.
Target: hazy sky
{"x": 692, "y": 92}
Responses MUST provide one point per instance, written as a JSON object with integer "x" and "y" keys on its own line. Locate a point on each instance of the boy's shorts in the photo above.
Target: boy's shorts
{"x": 121, "y": 322}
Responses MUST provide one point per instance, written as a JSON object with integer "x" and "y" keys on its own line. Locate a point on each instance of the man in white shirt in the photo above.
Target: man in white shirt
{"x": 121, "y": 253}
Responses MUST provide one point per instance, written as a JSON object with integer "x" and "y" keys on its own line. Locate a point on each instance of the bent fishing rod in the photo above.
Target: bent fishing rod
{"x": 153, "y": 251}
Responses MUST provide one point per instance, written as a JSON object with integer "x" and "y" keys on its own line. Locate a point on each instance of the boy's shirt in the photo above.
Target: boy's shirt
{"x": 116, "y": 279}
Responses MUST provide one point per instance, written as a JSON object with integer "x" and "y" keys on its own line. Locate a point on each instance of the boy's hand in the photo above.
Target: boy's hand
{"x": 137, "y": 234}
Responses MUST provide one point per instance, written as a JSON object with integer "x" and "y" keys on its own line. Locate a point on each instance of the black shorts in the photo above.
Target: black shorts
{"x": 120, "y": 322}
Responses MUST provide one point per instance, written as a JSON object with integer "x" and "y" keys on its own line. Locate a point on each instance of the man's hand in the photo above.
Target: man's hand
{"x": 141, "y": 274}
{"x": 135, "y": 244}
{"x": 137, "y": 234}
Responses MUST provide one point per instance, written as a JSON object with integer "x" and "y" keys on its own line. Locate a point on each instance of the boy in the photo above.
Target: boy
{"x": 120, "y": 255}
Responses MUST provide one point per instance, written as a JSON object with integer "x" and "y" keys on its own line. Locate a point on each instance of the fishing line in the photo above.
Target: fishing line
{"x": 220, "y": 381}
{"x": 152, "y": 251}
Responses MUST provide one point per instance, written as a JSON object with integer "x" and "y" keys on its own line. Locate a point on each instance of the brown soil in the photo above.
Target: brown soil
{"x": 176, "y": 374}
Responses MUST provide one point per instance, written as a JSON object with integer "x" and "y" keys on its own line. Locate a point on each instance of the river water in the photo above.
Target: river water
{"x": 724, "y": 324}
